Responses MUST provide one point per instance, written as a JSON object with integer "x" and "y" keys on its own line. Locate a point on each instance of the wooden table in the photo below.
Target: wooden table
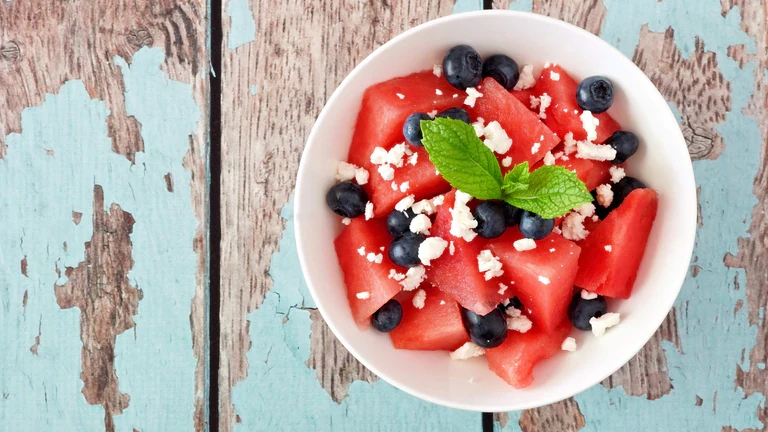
{"x": 134, "y": 297}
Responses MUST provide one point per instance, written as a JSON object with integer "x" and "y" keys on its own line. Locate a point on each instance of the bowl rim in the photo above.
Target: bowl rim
{"x": 676, "y": 278}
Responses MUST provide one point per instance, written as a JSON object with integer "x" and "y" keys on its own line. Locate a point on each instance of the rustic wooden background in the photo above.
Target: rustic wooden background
{"x": 104, "y": 302}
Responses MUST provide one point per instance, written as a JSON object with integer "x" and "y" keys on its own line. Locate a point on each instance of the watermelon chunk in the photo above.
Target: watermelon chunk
{"x": 626, "y": 229}
{"x": 380, "y": 124}
{"x": 542, "y": 278}
{"x": 523, "y": 126}
{"x": 598, "y": 174}
{"x": 435, "y": 327}
{"x": 457, "y": 274}
{"x": 361, "y": 275}
{"x": 563, "y": 113}
{"x": 515, "y": 359}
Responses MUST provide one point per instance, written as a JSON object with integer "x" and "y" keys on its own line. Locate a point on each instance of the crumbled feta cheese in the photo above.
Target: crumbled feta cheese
{"x": 368, "y": 210}
{"x": 526, "y": 79}
{"x": 617, "y": 173}
{"x": 345, "y": 171}
{"x": 554, "y": 76}
{"x": 451, "y": 248}
{"x": 395, "y": 187}
{"x": 374, "y": 258}
{"x": 438, "y": 200}
{"x": 462, "y": 221}
{"x": 535, "y": 102}
{"x": 573, "y": 227}
{"x": 400, "y": 95}
{"x": 598, "y": 152}
{"x": 437, "y": 70}
{"x": 405, "y": 203}
{"x": 420, "y": 224}
{"x": 604, "y": 195}
{"x": 599, "y": 325}
{"x": 557, "y": 230}
{"x": 386, "y": 172}
{"x": 496, "y": 138}
{"x": 395, "y": 155}
{"x": 569, "y": 344}
{"x": 570, "y": 143}
{"x": 468, "y": 350}
{"x": 535, "y": 147}
{"x": 431, "y": 248}
{"x": 363, "y": 295}
{"x": 413, "y": 278}
{"x": 489, "y": 264}
{"x": 502, "y": 288}
{"x": 413, "y": 159}
{"x": 608, "y": 248}
{"x": 361, "y": 250}
{"x": 424, "y": 206}
{"x": 393, "y": 274}
{"x": 549, "y": 158}
{"x": 479, "y": 127}
{"x": 455, "y": 95}
{"x": 432, "y": 114}
{"x": 586, "y": 295}
{"x": 589, "y": 123}
{"x": 361, "y": 176}
{"x": 381, "y": 248}
{"x": 346, "y": 221}
{"x": 419, "y": 298}
{"x": 404, "y": 186}
{"x": 595, "y": 218}
{"x": 586, "y": 209}
{"x": 544, "y": 280}
{"x": 544, "y": 101}
{"x": 506, "y": 162}
{"x": 472, "y": 96}
{"x": 517, "y": 321}
{"x": 438, "y": 92}
{"x": 379, "y": 156}
{"x": 552, "y": 249}
{"x": 524, "y": 244}
{"x": 442, "y": 302}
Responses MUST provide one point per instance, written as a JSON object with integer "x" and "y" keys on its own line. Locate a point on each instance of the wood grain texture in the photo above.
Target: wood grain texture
{"x": 45, "y": 44}
{"x": 303, "y": 50}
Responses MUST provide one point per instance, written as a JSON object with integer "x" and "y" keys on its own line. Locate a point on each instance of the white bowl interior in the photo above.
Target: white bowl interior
{"x": 662, "y": 162}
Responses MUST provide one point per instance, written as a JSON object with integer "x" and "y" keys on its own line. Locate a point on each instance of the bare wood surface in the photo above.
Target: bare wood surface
{"x": 44, "y": 44}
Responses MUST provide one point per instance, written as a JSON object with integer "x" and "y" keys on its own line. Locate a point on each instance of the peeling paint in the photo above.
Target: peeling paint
{"x": 242, "y": 29}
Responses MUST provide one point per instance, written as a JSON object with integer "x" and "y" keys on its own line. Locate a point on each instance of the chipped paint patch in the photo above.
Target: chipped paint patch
{"x": 467, "y": 6}
{"x": 242, "y": 29}
{"x": 154, "y": 363}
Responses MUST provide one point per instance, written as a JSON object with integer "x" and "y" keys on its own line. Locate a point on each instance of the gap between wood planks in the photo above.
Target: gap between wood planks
{"x": 216, "y": 45}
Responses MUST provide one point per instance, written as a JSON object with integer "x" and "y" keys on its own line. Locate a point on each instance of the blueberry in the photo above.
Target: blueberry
{"x": 398, "y": 223}
{"x": 513, "y": 302}
{"x": 595, "y": 94}
{"x": 347, "y": 199}
{"x": 625, "y": 143}
{"x": 412, "y": 128}
{"x": 511, "y": 214}
{"x": 620, "y": 191}
{"x": 462, "y": 67}
{"x": 456, "y": 114}
{"x": 535, "y": 227}
{"x": 487, "y": 331}
{"x": 388, "y": 317}
{"x": 580, "y": 311}
{"x": 491, "y": 220}
{"x": 404, "y": 250}
{"x": 503, "y": 69}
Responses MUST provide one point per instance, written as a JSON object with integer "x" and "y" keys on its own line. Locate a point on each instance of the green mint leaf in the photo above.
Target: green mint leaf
{"x": 516, "y": 179}
{"x": 461, "y": 158}
{"x": 552, "y": 191}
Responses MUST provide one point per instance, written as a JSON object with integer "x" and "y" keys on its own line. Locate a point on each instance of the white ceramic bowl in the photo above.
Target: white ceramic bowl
{"x": 662, "y": 162}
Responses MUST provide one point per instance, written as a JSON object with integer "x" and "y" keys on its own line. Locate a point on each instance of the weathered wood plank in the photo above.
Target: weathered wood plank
{"x": 103, "y": 168}
{"x": 303, "y": 50}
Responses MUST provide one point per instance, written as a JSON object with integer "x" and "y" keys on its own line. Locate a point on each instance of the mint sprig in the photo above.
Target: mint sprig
{"x": 468, "y": 165}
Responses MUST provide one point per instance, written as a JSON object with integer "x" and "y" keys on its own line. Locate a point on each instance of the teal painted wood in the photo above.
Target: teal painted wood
{"x": 715, "y": 332}
{"x": 49, "y": 172}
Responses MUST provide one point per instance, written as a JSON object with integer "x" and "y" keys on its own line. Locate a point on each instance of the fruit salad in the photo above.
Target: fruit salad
{"x": 487, "y": 211}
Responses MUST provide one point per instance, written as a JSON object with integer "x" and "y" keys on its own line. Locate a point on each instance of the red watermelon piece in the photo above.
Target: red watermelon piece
{"x": 457, "y": 274}
{"x": 361, "y": 275}
{"x": 598, "y": 174}
{"x": 515, "y": 359}
{"x": 563, "y": 113}
{"x": 542, "y": 278}
{"x": 380, "y": 124}
{"x": 435, "y": 327}
{"x": 625, "y": 230}
{"x": 523, "y": 126}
